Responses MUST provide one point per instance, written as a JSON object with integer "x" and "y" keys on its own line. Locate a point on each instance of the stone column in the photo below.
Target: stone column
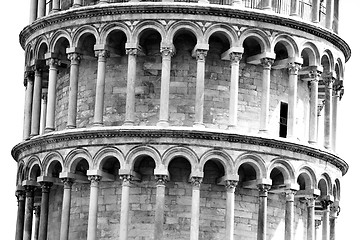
{"x": 293, "y": 77}
{"x": 20, "y": 195}
{"x": 289, "y": 215}
{"x": 45, "y": 191}
{"x": 160, "y": 205}
{"x": 41, "y": 11}
{"x": 44, "y": 98}
{"x": 200, "y": 87}
{"x": 267, "y": 5}
{"x": 36, "y": 104}
{"x": 315, "y": 10}
{"x": 329, "y": 14}
{"x": 55, "y": 6}
{"x": 124, "y": 214}
{"x": 102, "y": 55}
{"x": 37, "y": 211}
{"x": 310, "y": 231}
{"x": 53, "y": 64}
{"x": 195, "y": 208}
{"x": 317, "y": 229}
{"x": 75, "y": 58}
{"x": 262, "y": 217}
{"x": 167, "y": 53}
{"x": 66, "y": 205}
{"x": 294, "y": 8}
{"x": 325, "y": 220}
{"x": 265, "y": 95}
{"x": 33, "y": 10}
{"x": 93, "y": 207}
{"x": 230, "y": 209}
{"x": 130, "y": 87}
{"x": 29, "y": 83}
{"x": 235, "y": 58}
{"x": 76, "y": 3}
{"x": 334, "y": 212}
{"x": 313, "y": 125}
{"x": 335, "y": 102}
{"x": 319, "y": 109}
{"x": 328, "y": 81}
{"x": 28, "y": 222}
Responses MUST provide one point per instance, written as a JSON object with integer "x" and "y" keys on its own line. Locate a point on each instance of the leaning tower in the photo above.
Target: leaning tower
{"x": 180, "y": 119}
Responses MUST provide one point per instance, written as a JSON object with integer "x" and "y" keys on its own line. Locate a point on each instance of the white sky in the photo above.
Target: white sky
{"x": 14, "y": 16}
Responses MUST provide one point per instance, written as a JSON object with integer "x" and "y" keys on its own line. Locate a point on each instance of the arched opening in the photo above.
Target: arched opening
{"x": 145, "y": 165}
{"x": 110, "y": 165}
{"x": 35, "y": 172}
{"x": 246, "y": 173}
{"x": 281, "y": 51}
{"x": 183, "y": 80}
{"x": 180, "y": 170}
{"x": 277, "y": 177}
{"x": 60, "y": 48}
{"x": 251, "y": 47}
{"x": 304, "y": 181}
{"x": 81, "y": 167}
{"x": 54, "y": 169}
{"x": 43, "y": 49}
{"x": 323, "y": 187}
{"x": 86, "y": 45}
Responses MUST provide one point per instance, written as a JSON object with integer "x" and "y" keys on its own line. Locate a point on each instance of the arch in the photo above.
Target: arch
{"x": 312, "y": 52}
{"x": 56, "y": 37}
{"x": 337, "y": 185}
{"x": 31, "y": 165}
{"x": 253, "y": 160}
{"x": 223, "y": 157}
{"x": 288, "y": 42}
{"x": 105, "y": 31}
{"x": 74, "y": 157}
{"x": 103, "y": 154}
{"x": 259, "y": 35}
{"x": 49, "y": 160}
{"x": 324, "y": 184}
{"x": 139, "y": 151}
{"x": 41, "y": 47}
{"x": 341, "y": 68}
{"x": 28, "y": 55}
{"x": 20, "y": 173}
{"x": 145, "y": 26}
{"x": 327, "y": 56}
{"x": 309, "y": 177}
{"x": 225, "y": 30}
{"x": 184, "y": 25}
{"x": 85, "y": 30}
{"x": 181, "y": 151}
{"x": 285, "y": 168}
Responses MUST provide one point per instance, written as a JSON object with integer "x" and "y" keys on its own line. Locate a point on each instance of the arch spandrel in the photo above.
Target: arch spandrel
{"x": 221, "y": 156}
{"x": 103, "y": 154}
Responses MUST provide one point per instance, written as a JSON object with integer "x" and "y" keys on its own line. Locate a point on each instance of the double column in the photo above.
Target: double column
{"x": 200, "y": 53}
{"x": 235, "y": 58}
{"x": 102, "y": 54}
{"x": 293, "y": 68}
{"x": 265, "y": 95}
{"x": 167, "y": 52}
{"x": 74, "y": 57}
{"x": 53, "y": 64}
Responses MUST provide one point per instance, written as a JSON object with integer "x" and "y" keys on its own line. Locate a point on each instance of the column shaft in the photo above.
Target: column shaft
{"x": 329, "y": 14}
{"x": 293, "y": 76}
{"x": 44, "y": 214}
{"x": 55, "y": 6}
{"x": 77, "y": 3}
{"x": 200, "y": 87}
{"x": 28, "y": 105}
{"x": 36, "y": 105}
{"x": 332, "y": 229}
{"x": 310, "y": 232}
{"x": 262, "y": 217}
{"x": 335, "y": 102}
{"x": 37, "y": 211}
{"x": 130, "y": 87}
{"x": 20, "y": 215}
{"x": 41, "y": 11}
{"x": 159, "y": 207}
{"x": 195, "y": 208}
{"x": 265, "y": 95}
{"x": 167, "y": 53}
{"x": 328, "y": 111}
{"x": 289, "y": 215}
{"x": 230, "y": 210}
{"x": 51, "y": 106}
{"x": 65, "y": 213}
{"x": 124, "y": 214}
{"x": 234, "y": 89}
{"x": 73, "y": 89}
{"x": 325, "y": 223}
{"x": 315, "y": 11}
{"x": 33, "y": 10}
{"x": 294, "y": 8}
{"x": 267, "y": 4}
{"x": 93, "y": 207}
{"x": 313, "y": 131}
{"x": 44, "y": 98}
{"x": 100, "y": 87}
{"x": 29, "y": 205}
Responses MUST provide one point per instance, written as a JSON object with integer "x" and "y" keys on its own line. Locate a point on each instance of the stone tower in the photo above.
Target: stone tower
{"x": 180, "y": 119}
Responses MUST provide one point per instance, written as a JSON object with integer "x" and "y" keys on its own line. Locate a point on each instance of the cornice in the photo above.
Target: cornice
{"x": 196, "y": 9}
{"x": 155, "y": 133}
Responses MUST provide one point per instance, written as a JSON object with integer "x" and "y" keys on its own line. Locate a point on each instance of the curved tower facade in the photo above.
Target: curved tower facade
{"x": 180, "y": 119}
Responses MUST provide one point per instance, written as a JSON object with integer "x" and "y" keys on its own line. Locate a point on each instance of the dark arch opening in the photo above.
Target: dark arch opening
{"x": 246, "y": 173}
{"x": 218, "y": 44}
{"x": 306, "y": 58}
{"x": 35, "y": 172}
{"x": 325, "y": 62}
{"x": 277, "y": 177}
{"x": 179, "y": 169}
{"x": 43, "y": 49}
{"x": 150, "y": 42}
{"x": 81, "y": 167}
{"x": 304, "y": 181}
{"x": 213, "y": 170}
{"x": 323, "y": 187}
{"x": 115, "y": 42}
{"x": 55, "y": 169}
{"x": 60, "y": 48}
{"x": 111, "y": 165}
{"x": 251, "y": 47}
{"x": 86, "y": 45}
{"x": 280, "y": 51}
{"x": 184, "y": 42}
{"x": 145, "y": 166}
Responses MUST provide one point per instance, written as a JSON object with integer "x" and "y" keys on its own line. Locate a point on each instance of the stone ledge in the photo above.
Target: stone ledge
{"x": 176, "y": 133}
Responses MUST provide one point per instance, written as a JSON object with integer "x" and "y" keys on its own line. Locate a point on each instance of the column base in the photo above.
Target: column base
{"x": 48, "y": 130}
{"x": 33, "y": 135}
{"x": 128, "y": 123}
{"x": 312, "y": 142}
{"x": 199, "y": 125}
{"x": 98, "y": 124}
{"x": 54, "y": 11}
{"x": 70, "y": 126}
{"x": 263, "y": 132}
{"x": 162, "y": 123}
{"x": 204, "y": 1}
{"x": 232, "y": 127}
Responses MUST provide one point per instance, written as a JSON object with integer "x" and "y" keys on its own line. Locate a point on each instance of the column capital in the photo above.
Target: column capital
{"x": 230, "y": 185}
{"x": 334, "y": 210}
{"x": 126, "y": 179}
{"x": 167, "y": 51}
{"x": 44, "y": 94}
{"x": 266, "y": 62}
{"x": 20, "y": 195}
{"x": 196, "y": 182}
{"x": 317, "y": 223}
{"x": 290, "y": 195}
{"x": 68, "y": 182}
{"x": 132, "y": 51}
{"x": 263, "y": 189}
{"x": 46, "y": 186}
{"x": 37, "y": 210}
{"x": 161, "y": 179}
{"x": 314, "y": 76}
{"x": 201, "y": 54}
{"x": 294, "y": 68}
{"x": 94, "y": 180}
{"x": 102, "y": 54}
{"x": 28, "y": 76}
{"x": 320, "y": 108}
{"x": 53, "y": 63}
{"x": 235, "y": 57}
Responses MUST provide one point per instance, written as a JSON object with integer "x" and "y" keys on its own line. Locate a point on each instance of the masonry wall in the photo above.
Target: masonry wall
{"x": 177, "y": 218}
